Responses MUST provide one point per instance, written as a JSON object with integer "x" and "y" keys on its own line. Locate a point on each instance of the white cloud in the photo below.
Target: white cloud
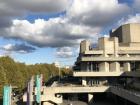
{"x": 8, "y": 46}
{"x": 64, "y": 52}
{"x": 49, "y": 6}
{"x": 84, "y": 19}
{"x": 97, "y": 13}
{"x": 56, "y": 32}
{"x": 89, "y": 12}
{"x": 10, "y": 9}
{"x": 19, "y": 48}
{"x": 1, "y": 55}
{"x": 130, "y": 19}
{"x": 5, "y": 53}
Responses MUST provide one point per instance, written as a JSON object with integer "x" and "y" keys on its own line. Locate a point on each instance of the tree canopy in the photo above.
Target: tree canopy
{"x": 17, "y": 74}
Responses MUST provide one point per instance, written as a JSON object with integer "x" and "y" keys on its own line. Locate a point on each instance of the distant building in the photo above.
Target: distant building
{"x": 57, "y": 64}
{"x": 67, "y": 67}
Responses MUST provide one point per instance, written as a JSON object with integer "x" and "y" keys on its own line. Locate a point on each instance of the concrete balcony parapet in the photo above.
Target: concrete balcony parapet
{"x": 95, "y": 74}
{"x": 94, "y": 51}
{"x": 105, "y": 74}
{"x": 76, "y": 89}
{"x": 103, "y": 59}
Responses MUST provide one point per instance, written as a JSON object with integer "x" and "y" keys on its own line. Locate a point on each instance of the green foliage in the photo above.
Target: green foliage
{"x": 66, "y": 72}
{"x": 3, "y": 79}
{"x": 17, "y": 74}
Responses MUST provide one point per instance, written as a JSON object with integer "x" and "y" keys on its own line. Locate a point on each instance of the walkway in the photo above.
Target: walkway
{"x": 127, "y": 94}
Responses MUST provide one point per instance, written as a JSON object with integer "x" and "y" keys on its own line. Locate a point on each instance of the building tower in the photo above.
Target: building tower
{"x": 115, "y": 60}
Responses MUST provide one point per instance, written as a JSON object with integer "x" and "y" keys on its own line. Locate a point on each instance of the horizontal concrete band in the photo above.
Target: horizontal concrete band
{"x": 100, "y": 74}
{"x": 78, "y": 89}
{"x": 119, "y": 51}
{"x": 110, "y": 59}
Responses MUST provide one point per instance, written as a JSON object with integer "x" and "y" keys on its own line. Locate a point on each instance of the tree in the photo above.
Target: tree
{"x": 66, "y": 72}
{"x": 3, "y": 79}
{"x": 17, "y": 74}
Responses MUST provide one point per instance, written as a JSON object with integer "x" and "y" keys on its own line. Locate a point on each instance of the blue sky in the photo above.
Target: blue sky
{"x": 38, "y": 31}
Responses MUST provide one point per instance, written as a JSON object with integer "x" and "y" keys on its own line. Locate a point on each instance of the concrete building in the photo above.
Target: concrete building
{"x": 112, "y": 67}
{"x": 115, "y": 60}
{"x": 57, "y": 64}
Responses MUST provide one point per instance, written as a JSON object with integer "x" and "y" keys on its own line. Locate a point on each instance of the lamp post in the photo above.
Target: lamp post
{"x": 59, "y": 74}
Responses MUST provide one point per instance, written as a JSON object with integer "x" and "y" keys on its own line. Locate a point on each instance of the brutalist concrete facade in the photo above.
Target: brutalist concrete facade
{"x": 114, "y": 61}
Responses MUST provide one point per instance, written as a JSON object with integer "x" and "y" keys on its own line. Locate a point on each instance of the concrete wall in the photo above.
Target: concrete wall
{"x": 106, "y": 45}
{"x": 84, "y": 46}
{"x": 117, "y": 33}
{"x": 135, "y": 32}
{"x": 77, "y": 89}
{"x": 128, "y": 33}
{"x": 115, "y": 66}
{"x": 111, "y": 59}
{"x": 104, "y": 66}
{"x": 97, "y": 74}
{"x": 131, "y": 96}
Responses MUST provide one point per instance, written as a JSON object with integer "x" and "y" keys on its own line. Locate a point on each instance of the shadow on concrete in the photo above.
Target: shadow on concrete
{"x": 51, "y": 80}
{"x": 0, "y": 101}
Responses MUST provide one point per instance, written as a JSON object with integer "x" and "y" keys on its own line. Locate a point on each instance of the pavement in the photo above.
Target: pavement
{"x": 66, "y": 102}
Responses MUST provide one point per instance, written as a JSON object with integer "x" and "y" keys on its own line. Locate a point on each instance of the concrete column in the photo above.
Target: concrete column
{"x": 126, "y": 66}
{"x": 97, "y": 67}
{"x": 91, "y": 66}
{"x": 84, "y": 66}
{"x": 84, "y": 82}
{"x": 127, "y": 55}
{"x": 116, "y": 46}
{"x": 115, "y": 66}
{"x": 90, "y": 98}
{"x": 47, "y": 103}
{"x": 104, "y": 66}
{"x": 88, "y": 66}
{"x": 30, "y": 91}
{"x": 105, "y": 54}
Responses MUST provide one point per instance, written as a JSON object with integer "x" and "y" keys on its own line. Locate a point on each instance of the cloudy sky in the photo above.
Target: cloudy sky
{"x": 45, "y": 31}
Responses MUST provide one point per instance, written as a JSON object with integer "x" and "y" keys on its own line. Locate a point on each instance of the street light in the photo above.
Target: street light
{"x": 59, "y": 73}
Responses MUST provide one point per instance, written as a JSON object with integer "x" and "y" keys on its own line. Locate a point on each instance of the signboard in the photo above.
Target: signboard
{"x": 30, "y": 87}
{"x": 7, "y": 95}
{"x": 38, "y": 89}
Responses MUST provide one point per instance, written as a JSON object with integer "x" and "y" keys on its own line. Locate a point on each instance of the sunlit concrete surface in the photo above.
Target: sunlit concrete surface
{"x": 114, "y": 61}
{"x": 68, "y": 102}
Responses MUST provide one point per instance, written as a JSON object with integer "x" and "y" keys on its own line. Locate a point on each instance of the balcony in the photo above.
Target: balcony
{"x": 110, "y": 58}
{"x": 106, "y": 74}
{"x": 76, "y": 89}
{"x": 94, "y": 52}
{"x": 95, "y": 74}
